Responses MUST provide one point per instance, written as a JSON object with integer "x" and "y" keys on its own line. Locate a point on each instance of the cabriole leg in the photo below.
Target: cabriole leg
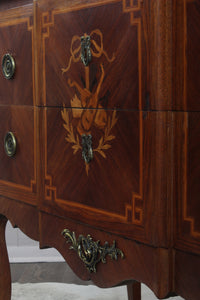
{"x": 134, "y": 290}
{"x": 5, "y": 276}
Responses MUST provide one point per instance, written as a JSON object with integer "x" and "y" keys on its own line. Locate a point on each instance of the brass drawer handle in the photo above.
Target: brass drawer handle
{"x": 91, "y": 252}
{"x": 8, "y": 66}
{"x": 86, "y": 55}
{"x": 10, "y": 144}
{"x": 87, "y": 152}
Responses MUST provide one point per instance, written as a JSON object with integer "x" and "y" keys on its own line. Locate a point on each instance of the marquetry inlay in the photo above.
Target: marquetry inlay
{"x": 133, "y": 211}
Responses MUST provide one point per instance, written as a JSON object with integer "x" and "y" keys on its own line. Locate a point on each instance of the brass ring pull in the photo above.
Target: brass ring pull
{"x": 87, "y": 152}
{"x": 10, "y": 144}
{"x": 8, "y": 66}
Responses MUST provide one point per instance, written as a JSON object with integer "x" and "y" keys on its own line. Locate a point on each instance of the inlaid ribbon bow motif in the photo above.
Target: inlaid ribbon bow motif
{"x": 86, "y": 106}
{"x": 96, "y": 49}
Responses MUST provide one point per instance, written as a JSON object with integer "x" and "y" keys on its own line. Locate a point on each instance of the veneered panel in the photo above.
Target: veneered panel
{"x": 187, "y": 274}
{"x": 127, "y": 177}
{"x": 18, "y": 173}
{"x": 186, "y": 59}
{"x": 16, "y": 39}
{"x": 116, "y": 159}
{"x": 115, "y": 72}
{"x": 192, "y": 60}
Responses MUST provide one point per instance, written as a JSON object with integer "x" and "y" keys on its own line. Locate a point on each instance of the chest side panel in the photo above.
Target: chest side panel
{"x": 186, "y": 55}
{"x": 187, "y": 175}
{"x": 186, "y": 142}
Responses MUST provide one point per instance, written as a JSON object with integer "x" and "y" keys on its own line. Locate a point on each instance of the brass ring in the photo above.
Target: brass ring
{"x": 10, "y": 144}
{"x": 8, "y": 66}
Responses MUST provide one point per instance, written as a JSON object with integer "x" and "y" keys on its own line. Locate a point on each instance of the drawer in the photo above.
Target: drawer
{"x": 81, "y": 182}
{"x": 112, "y": 36}
{"x": 107, "y": 175}
{"x": 18, "y": 167}
{"x": 17, "y": 58}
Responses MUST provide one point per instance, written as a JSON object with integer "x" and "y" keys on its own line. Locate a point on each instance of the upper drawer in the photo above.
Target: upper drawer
{"x": 16, "y": 36}
{"x": 112, "y": 36}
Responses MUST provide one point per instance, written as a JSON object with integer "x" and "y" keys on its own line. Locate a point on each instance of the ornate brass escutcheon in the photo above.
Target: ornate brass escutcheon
{"x": 86, "y": 55}
{"x": 10, "y": 144}
{"x": 91, "y": 252}
{"x": 8, "y": 66}
{"x": 87, "y": 152}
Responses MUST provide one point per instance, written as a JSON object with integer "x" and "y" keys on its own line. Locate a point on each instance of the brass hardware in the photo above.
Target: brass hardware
{"x": 91, "y": 252}
{"x": 86, "y": 55}
{"x": 87, "y": 152}
{"x": 8, "y": 66}
{"x": 10, "y": 144}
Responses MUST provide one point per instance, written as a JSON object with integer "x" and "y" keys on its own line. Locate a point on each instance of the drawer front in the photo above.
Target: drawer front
{"x": 117, "y": 189}
{"x": 187, "y": 55}
{"x": 18, "y": 171}
{"x": 94, "y": 187}
{"x": 187, "y": 178}
{"x": 16, "y": 39}
{"x": 113, "y": 36}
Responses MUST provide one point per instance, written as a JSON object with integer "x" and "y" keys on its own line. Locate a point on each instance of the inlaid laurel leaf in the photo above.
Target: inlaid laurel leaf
{"x": 70, "y": 132}
{"x": 76, "y": 148}
{"x": 106, "y": 146}
{"x": 114, "y": 119}
{"x": 65, "y": 117}
{"x": 68, "y": 139}
{"x": 101, "y": 142}
{"x": 108, "y": 137}
{"x": 66, "y": 127}
{"x": 101, "y": 152}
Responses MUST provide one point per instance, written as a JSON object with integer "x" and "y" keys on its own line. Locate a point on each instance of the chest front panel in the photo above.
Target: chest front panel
{"x": 102, "y": 99}
{"x": 94, "y": 70}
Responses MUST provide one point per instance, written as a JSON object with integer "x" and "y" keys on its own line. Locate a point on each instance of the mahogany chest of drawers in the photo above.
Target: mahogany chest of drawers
{"x": 100, "y": 137}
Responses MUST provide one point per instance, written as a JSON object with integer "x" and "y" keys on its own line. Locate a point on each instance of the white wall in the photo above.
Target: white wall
{"x": 23, "y": 249}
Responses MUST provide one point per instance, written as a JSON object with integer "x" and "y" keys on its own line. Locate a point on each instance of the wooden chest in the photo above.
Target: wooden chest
{"x": 99, "y": 131}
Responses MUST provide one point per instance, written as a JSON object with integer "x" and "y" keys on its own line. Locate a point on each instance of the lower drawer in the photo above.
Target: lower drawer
{"x": 117, "y": 189}
{"x": 18, "y": 167}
